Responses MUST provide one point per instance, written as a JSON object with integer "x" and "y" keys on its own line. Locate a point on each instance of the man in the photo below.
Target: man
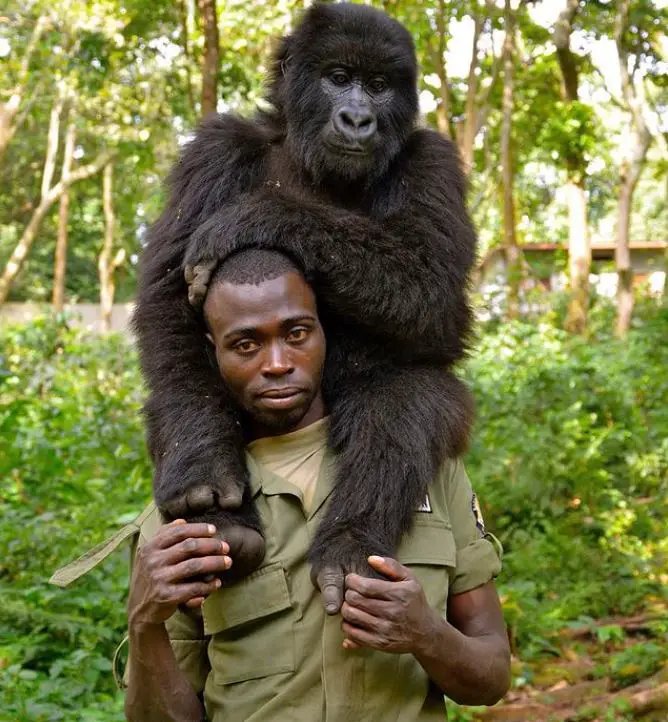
{"x": 263, "y": 649}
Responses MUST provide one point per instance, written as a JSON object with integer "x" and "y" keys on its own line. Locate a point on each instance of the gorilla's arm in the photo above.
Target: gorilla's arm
{"x": 401, "y": 273}
{"x": 193, "y": 434}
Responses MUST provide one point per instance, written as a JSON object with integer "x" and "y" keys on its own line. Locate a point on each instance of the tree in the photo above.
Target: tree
{"x": 477, "y": 104}
{"x": 210, "y": 56}
{"x": 108, "y": 263}
{"x": 49, "y": 195}
{"x": 579, "y": 246}
{"x": 60, "y": 259}
{"x": 631, "y": 166}
{"x": 507, "y": 171}
{"x": 10, "y": 119}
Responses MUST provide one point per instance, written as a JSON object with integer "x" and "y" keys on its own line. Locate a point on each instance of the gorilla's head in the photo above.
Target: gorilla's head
{"x": 345, "y": 86}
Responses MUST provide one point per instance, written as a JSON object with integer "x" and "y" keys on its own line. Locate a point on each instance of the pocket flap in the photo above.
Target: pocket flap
{"x": 262, "y": 593}
{"x": 430, "y": 541}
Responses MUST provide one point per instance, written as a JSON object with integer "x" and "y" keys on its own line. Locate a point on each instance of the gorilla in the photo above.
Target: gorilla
{"x": 337, "y": 176}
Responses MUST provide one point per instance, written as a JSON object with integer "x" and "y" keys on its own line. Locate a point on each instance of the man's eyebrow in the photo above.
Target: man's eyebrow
{"x": 241, "y": 331}
{"x": 296, "y": 319}
{"x": 253, "y": 330}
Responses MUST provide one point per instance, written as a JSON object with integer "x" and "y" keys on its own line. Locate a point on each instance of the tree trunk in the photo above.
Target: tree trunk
{"x": 9, "y": 110}
{"x": 443, "y": 108}
{"x": 16, "y": 260}
{"x": 185, "y": 34}
{"x": 211, "y": 55}
{"x": 470, "y": 114}
{"x": 579, "y": 249}
{"x": 60, "y": 262}
{"x": 106, "y": 264}
{"x": 579, "y": 257}
{"x": 52, "y": 140}
{"x": 630, "y": 171}
{"x": 507, "y": 171}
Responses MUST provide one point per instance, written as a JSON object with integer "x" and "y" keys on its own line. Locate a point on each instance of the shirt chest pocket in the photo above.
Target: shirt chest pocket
{"x": 250, "y": 623}
{"x": 429, "y": 551}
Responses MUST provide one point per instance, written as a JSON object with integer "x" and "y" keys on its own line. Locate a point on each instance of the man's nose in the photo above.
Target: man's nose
{"x": 277, "y": 361}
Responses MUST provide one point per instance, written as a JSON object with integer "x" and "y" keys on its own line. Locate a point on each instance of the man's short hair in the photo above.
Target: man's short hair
{"x": 253, "y": 266}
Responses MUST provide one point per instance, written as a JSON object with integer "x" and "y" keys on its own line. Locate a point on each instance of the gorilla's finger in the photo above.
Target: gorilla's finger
{"x": 331, "y": 583}
{"x": 200, "y": 499}
{"x": 230, "y": 498}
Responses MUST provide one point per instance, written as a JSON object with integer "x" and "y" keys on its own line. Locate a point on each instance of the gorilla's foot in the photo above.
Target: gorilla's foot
{"x": 199, "y": 500}
{"x": 340, "y": 551}
{"x": 247, "y": 545}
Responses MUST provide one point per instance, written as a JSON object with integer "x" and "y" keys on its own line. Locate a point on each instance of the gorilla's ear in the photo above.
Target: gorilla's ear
{"x": 285, "y": 53}
{"x": 285, "y": 62}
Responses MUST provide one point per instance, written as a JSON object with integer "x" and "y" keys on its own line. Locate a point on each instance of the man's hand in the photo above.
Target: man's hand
{"x": 391, "y": 616}
{"x": 174, "y": 568}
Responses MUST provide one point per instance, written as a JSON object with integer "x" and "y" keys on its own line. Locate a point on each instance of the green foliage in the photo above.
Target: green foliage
{"x": 74, "y": 469}
{"x": 635, "y": 663}
{"x": 571, "y": 135}
{"x": 570, "y": 460}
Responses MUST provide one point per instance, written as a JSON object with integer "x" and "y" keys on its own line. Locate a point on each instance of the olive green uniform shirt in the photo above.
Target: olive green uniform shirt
{"x": 265, "y": 651}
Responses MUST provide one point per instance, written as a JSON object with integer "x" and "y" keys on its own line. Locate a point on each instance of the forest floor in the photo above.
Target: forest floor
{"x": 608, "y": 670}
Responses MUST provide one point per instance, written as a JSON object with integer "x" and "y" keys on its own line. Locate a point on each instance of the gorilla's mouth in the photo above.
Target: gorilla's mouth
{"x": 353, "y": 150}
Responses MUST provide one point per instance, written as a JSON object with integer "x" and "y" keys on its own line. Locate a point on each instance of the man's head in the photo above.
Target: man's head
{"x": 270, "y": 347}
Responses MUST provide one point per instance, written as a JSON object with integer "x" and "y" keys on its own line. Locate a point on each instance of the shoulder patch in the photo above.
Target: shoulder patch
{"x": 477, "y": 513}
{"x": 425, "y": 506}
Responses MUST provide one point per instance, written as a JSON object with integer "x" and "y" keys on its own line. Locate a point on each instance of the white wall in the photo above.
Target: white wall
{"x": 86, "y": 314}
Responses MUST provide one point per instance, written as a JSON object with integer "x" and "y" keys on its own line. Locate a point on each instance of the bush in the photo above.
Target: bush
{"x": 570, "y": 460}
{"x": 75, "y": 469}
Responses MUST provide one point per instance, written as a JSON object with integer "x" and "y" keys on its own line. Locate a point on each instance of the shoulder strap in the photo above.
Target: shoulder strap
{"x": 72, "y": 571}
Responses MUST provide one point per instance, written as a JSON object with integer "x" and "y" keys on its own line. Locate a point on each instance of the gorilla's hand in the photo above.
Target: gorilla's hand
{"x": 264, "y": 220}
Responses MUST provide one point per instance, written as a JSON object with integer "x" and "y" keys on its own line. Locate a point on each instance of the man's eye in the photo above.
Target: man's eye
{"x": 338, "y": 77}
{"x": 245, "y": 346}
{"x": 377, "y": 85}
{"x": 298, "y": 334}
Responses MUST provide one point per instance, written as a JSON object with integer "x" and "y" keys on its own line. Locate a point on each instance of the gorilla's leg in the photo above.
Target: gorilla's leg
{"x": 202, "y": 476}
{"x": 392, "y": 427}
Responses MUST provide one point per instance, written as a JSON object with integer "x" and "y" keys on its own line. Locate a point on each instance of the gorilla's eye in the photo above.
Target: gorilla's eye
{"x": 338, "y": 76}
{"x": 377, "y": 85}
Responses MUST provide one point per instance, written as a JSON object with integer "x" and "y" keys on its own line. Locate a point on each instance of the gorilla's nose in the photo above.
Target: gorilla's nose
{"x": 355, "y": 124}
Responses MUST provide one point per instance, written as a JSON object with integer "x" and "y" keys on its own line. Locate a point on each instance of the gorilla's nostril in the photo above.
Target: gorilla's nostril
{"x": 356, "y": 123}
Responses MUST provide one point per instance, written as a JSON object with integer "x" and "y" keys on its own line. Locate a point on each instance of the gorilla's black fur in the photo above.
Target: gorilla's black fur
{"x": 337, "y": 177}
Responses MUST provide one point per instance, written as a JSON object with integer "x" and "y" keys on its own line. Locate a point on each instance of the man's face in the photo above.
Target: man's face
{"x": 270, "y": 350}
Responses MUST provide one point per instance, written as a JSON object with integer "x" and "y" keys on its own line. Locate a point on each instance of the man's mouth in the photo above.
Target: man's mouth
{"x": 280, "y": 397}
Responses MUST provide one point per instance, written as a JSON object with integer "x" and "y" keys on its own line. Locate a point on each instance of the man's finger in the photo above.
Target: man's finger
{"x": 174, "y": 533}
{"x": 359, "y": 617}
{"x": 192, "y": 547}
{"x": 359, "y": 637}
{"x": 390, "y": 568}
{"x": 330, "y": 582}
{"x": 375, "y": 607}
{"x": 198, "y": 567}
{"x": 372, "y": 588}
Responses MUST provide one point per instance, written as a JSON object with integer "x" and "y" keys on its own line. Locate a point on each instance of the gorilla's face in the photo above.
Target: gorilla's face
{"x": 351, "y": 136}
{"x": 349, "y": 92}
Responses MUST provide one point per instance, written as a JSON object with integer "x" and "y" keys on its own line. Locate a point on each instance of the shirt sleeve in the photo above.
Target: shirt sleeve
{"x": 479, "y": 552}
{"x": 185, "y": 630}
